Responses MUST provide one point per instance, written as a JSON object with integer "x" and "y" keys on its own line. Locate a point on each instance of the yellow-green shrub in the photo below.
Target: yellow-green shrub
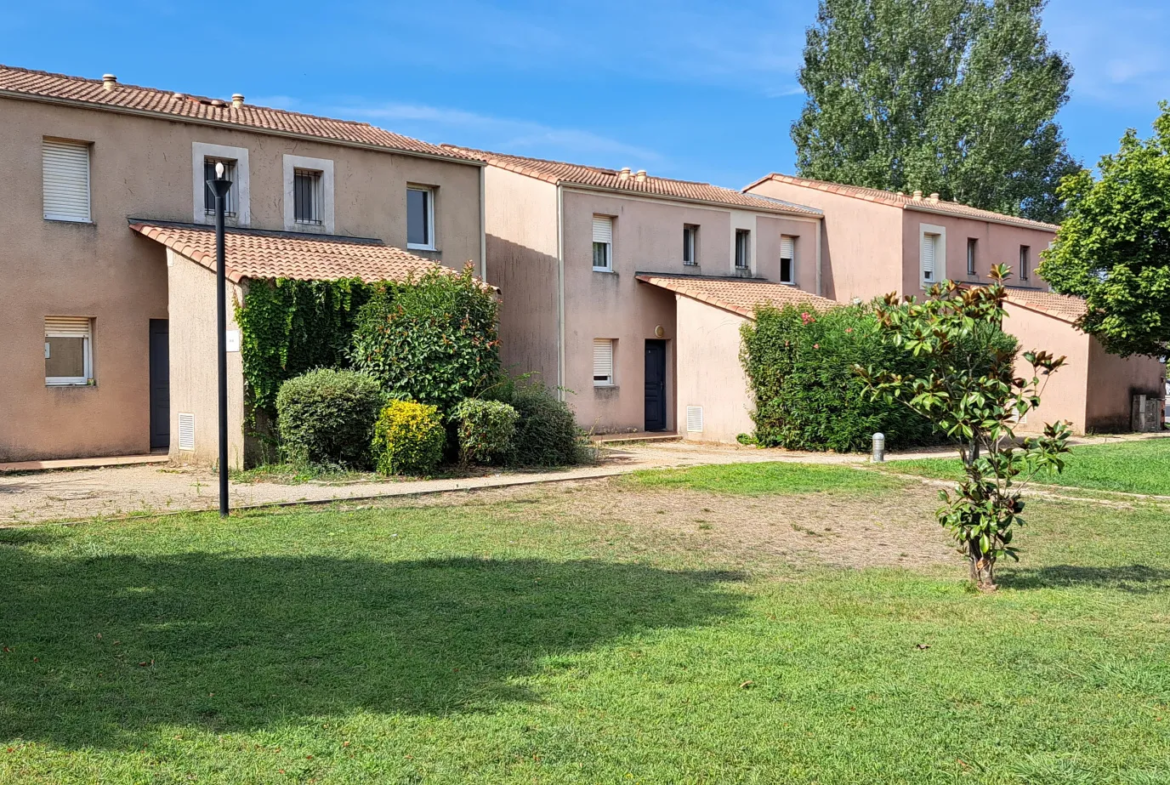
{"x": 408, "y": 438}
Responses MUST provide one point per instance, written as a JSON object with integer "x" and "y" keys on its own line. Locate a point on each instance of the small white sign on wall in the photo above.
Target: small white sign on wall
{"x": 233, "y": 340}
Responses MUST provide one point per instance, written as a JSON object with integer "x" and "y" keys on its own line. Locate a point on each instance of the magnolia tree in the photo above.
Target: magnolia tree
{"x": 971, "y": 393}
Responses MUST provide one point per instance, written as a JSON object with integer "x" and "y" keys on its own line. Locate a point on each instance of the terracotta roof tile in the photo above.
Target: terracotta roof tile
{"x": 1059, "y": 306}
{"x": 257, "y": 255}
{"x": 906, "y": 202}
{"x": 558, "y": 172}
{"x": 41, "y": 84}
{"x": 738, "y": 295}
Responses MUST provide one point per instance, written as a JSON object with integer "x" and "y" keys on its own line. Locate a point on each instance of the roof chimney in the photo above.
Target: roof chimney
{"x": 640, "y": 175}
{"x": 917, "y": 196}
{"x": 237, "y": 100}
{"x": 109, "y": 82}
{"x": 934, "y": 198}
{"x": 624, "y": 174}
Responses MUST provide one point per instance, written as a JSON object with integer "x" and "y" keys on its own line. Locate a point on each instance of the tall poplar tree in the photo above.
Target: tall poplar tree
{"x": 950, "y": 96}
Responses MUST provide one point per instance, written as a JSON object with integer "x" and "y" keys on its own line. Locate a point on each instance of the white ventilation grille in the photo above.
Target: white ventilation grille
{"x": 694, "y": 419}
{"x": 66, "y": 174}
{"x": 186, "y": 431}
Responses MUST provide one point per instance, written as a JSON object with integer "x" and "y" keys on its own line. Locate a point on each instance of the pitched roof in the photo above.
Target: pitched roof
{"x": 1059, "y": 306}
{"x": 905, "y": 202}
{"x": 21, "y": 82}
{"x": 738, "y": 295}
{"x": 262, "y": 255}
{"x": 560, "y": 173}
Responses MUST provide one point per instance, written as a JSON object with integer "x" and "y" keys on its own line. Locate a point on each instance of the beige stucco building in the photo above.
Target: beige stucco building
{"x": 83, "y": 160}
{"x": 877, "y": 242}
{"x": 584, "y": 258}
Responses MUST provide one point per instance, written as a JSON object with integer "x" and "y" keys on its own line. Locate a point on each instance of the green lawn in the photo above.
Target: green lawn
{"x": 765, "y": 478}
{"x": 1132, "y": 467}
{"x": 495, "y": 643}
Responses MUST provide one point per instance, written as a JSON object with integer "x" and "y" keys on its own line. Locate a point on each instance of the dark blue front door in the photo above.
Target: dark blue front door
{"x": 656, "y": 385}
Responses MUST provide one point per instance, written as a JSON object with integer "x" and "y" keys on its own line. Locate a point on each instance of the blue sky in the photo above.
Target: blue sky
{"x": 683, "y": 88}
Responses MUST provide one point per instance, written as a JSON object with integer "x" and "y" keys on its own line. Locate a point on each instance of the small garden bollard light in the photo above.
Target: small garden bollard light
{"x": 879, "y": 447}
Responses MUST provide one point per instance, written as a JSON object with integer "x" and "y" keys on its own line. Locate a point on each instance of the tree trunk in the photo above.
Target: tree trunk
{"x": 982, "y": 567}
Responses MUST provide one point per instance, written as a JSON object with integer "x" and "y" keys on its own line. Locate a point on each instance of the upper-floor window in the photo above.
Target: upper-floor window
{"x": 690, "y": 244}
{"x": 66, "y": 179}
{"x": 932, "y": 254}
{"x": 929, "y": 256}
{"x": 231, "y": 207}
{"x": 68, "y": 351}
{"x": 787, "y": 259}
{"x": 743, "y": 249}
{"x": 1025, "y": 261}
{"x": 602, "y": 243}
{"x": 971, "y": 244}
{"x": 307, "y": 196}
{"x": 420, "y": 218}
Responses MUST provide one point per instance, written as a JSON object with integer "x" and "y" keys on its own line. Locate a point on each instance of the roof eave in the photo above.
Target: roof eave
{"x": 78, "y": 104}
{"x": 1020, "y": 223}
{"x": 708, "y": 203}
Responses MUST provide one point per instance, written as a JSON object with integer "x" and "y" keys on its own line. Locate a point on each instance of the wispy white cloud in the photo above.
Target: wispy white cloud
{"x": 502, "y": 133}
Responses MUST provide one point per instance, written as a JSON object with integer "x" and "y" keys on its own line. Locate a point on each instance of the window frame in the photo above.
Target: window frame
{"x": 690, "y": 256}
{"x": 324, "y": 166}
{"x": 62, "y": 217}
{"x": 231, "y": 172}
{"x": 611, "y": 379}
{"x": 940, "y": 254}
{"x": 200, "y": 152}
{"x": 86, "y": 356}
{"x": 1025, "y": 261}
{"x": 429, "y": 191}
{"x": 972, "y": 251}
{"x": 315, "y": 193}
{"x": 746, "y": 234}
{"x": 791, "y": 279}
{"x": 608, "y": 246}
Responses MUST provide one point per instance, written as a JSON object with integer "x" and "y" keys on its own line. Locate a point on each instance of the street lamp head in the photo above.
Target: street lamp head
{"x": 219, "y": 170}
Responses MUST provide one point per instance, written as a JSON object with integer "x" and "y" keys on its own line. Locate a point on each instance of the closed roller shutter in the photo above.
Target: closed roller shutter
{"x": 66, "y": 173}
{"x": 603, "y": 361}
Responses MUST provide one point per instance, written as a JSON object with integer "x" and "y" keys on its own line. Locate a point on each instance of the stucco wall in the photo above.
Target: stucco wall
{"x": 1113, "y": 383}
{"x": 1065, "y": 394}
{"x": 193, "y": 349}
{"x": 142, "y": 167}
{"x": 709, "y": 372}
{"x": 996, "y": 244}
{"x": 521, "y": 219}
{"x": 861, "y": 252}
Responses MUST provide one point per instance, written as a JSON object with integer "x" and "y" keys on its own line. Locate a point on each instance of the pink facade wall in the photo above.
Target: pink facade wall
{"x": 861, "y": 253}
{"x": 709, "y": 372}
{"x": 1113, "y": 383}
{"x": 1064, "y": 394}
{"x": 995, "y": 244}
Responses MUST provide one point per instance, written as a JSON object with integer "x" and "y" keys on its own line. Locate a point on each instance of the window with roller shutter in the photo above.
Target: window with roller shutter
{"x": 603, "y": 362}
{"x": 602, "y": 243}
{"x": 66, "y": 180}
{"x": 788, "y": 260}
{"x": 68, "y": 350}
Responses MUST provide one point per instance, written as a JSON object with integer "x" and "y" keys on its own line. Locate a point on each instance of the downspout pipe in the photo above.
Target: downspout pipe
{"x": 820, "y": 231}
{"x": 483, "y": 224}
{"x": 560, "y": 292}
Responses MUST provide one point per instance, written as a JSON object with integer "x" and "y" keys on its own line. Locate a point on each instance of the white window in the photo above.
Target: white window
{"x": 231, "y": 207}
{"x": 602, "y": 243}
{"x": 308, "y": 194}
{"x": 420, "y": 218}
{"x": 66, "y": 176}
{"x": 307, "y": 197}
{"x": 690, "y": 244}
{"x": 1025, "y": 260}
{"x": 743, "y": 249}
{"x": 932, "y": 255}
{"x": 603, "y": 362}
{"x": 788, "y": 260}
{"x": 972, "y": 245}
{"x": 68, "y": 350}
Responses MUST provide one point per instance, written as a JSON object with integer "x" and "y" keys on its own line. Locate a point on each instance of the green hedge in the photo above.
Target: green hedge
{"x": 326, "y": 417}
{"x": 485, "y": 430}
{"x": 408, "y": 438}
{"x": 546, "y": 433}
{"x": 799, "y": 363}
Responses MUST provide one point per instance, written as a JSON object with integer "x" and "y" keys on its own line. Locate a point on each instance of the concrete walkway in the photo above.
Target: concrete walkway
{"x": 116, "y": 491}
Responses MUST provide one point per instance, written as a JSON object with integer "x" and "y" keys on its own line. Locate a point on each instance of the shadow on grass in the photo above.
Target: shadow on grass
{"x": 1132, "y": 578}
{"x": 226, "y": 644}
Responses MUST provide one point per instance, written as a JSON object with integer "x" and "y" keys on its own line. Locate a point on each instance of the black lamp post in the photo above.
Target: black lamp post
{"x": 220, "y": 187}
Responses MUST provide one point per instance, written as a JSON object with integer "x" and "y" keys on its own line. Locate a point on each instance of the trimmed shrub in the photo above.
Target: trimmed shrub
{"x": 800, "y": 365}
{"x": 485, "y": 430}
{"x": 431, "y": 340}
{"x": 326, "y": 417}
{"x": 408, "y": 438}
{"x": 547, "y": 432}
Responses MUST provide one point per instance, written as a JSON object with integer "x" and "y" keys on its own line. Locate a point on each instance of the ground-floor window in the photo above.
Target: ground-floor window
{"x": 603, "y": 362}
{"x": 68, "y": 350}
